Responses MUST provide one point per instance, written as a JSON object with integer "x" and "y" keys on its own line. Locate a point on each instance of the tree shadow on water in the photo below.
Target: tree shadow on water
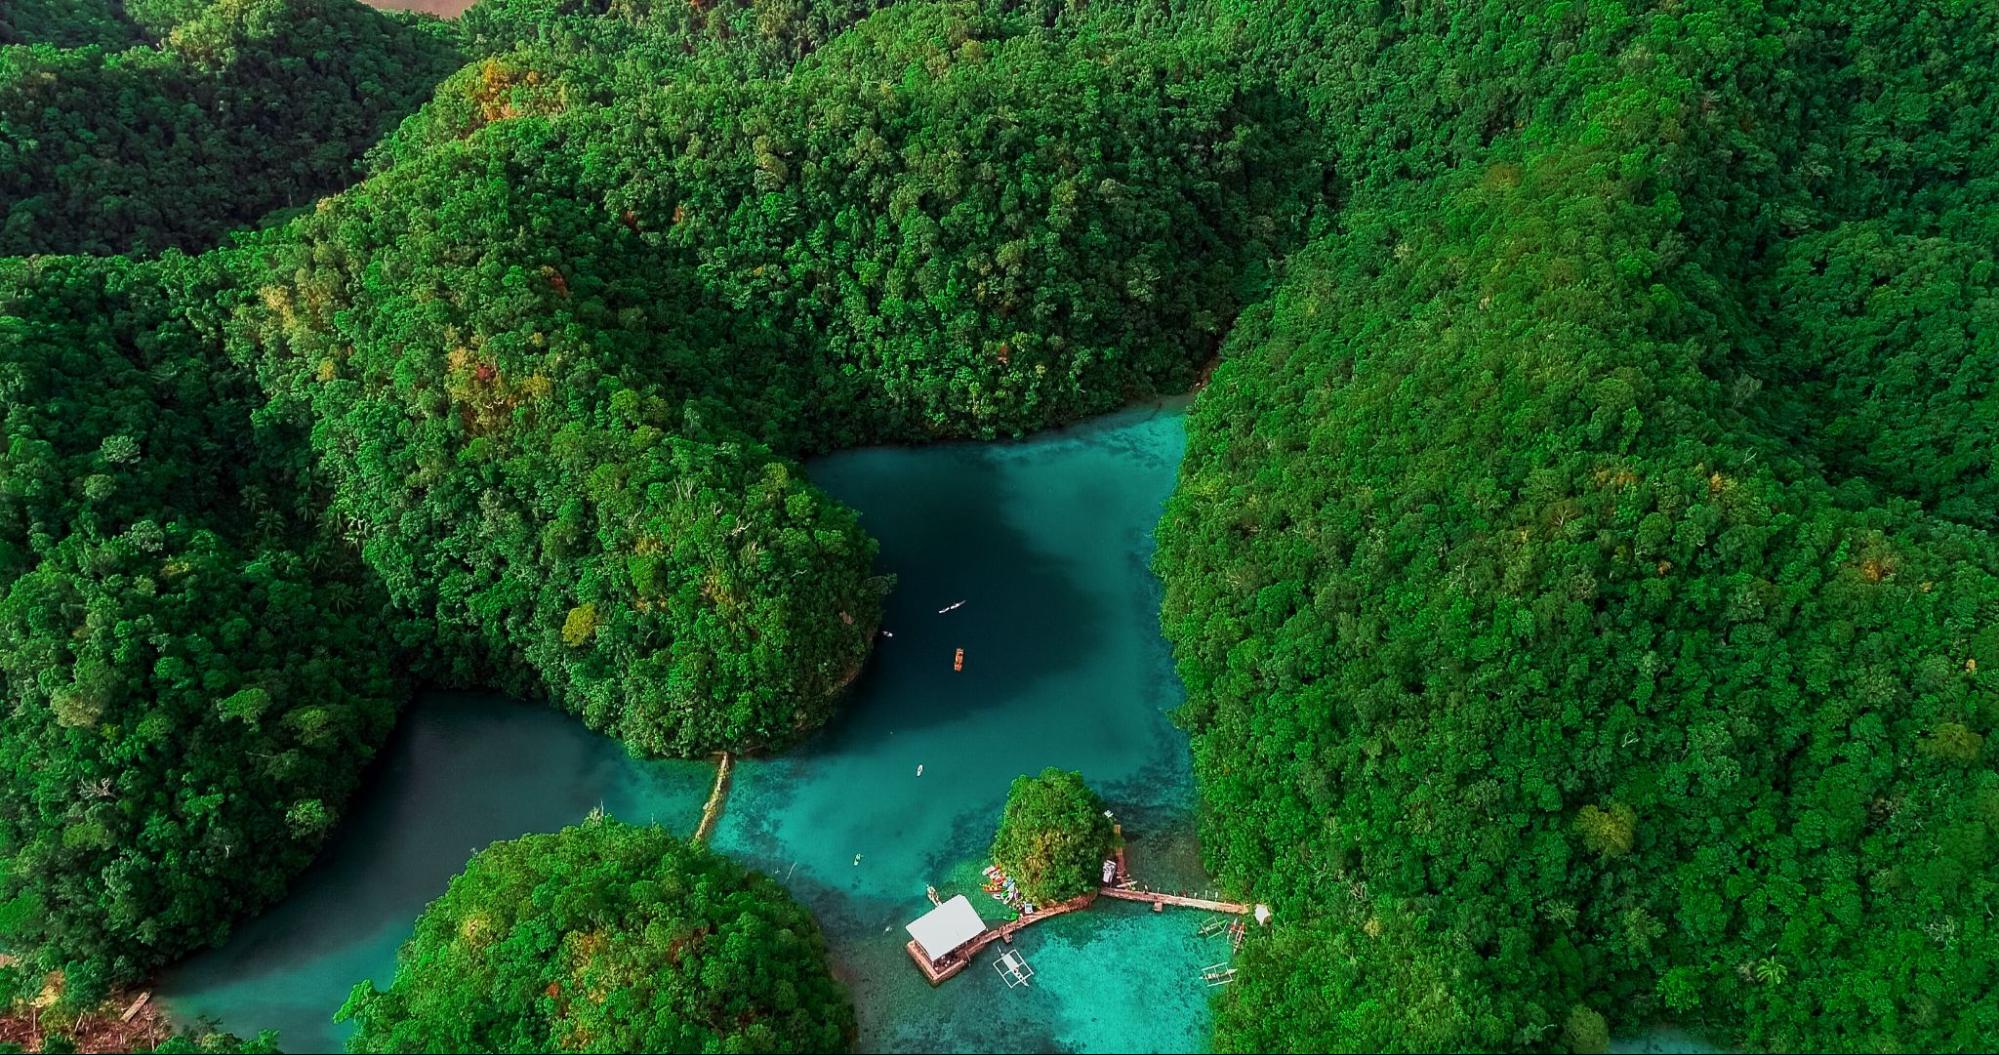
{"x": 949, "y": 531}
{"x": 458, "y": 773}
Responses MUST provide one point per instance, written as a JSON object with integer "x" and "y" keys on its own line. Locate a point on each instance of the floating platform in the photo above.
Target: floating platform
{"x": 966, "y": 948}
{"x": 938, "y": 972}
{"x": 956, "y": 959}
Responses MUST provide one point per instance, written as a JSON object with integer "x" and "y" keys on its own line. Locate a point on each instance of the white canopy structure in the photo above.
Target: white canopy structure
{"x": 944, "y": 929}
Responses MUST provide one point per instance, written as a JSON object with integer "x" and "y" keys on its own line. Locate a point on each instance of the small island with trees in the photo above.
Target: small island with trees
{"x": 608, "y": 937}
{"x": 1053, "y": 837}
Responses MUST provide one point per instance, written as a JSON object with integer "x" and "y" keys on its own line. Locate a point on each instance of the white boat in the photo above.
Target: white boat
{"x": 1012, "y": 967}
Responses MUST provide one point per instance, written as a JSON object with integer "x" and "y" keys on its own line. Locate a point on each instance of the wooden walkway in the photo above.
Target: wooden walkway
{"x": 963, "y": 955}
{"x": 1159, "y": 901}
{"x": 713, "y": 810}
{"x": 960, "y": 957}
{"x": 1005, "y": 931}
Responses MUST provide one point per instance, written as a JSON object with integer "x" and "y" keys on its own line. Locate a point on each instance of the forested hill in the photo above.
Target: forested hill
{"x": 1580, "y": 568}
{"x": 1581, "y": 572}
{"x": 149, "y": 124}
{"x": 519, "y": 409}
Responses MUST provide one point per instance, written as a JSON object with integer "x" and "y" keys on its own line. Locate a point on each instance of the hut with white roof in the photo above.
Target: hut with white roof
{"x": 943, "y": 939}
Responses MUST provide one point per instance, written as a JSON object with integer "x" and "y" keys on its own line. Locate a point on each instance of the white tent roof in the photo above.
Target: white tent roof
{"x": 944, "y": 928}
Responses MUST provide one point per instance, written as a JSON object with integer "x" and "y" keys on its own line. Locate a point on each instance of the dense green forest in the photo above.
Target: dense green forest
{"x": 608, "y": 937}
{"x": 1581, "y": 571}
{"x": 186, "y": 1041}
{"x": 193, "y": 665}
{"x": 524, "y": 403}
{"x": 168, "y": 124}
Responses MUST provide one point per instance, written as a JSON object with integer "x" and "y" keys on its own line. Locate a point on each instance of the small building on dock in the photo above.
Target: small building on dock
{"x": 939, "y": 938}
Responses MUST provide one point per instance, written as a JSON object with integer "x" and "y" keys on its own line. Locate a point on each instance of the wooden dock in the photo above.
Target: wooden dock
{"x": 963, "y": 954}
{"x": 957, "y": 960}
{"x": 1005, "y": 931}
{"x": 1160, "y": 901}
{"x": 937, "y": 972}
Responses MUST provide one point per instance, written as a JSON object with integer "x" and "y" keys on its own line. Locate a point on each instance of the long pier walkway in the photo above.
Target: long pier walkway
{"x": 962, "y": 956}
{"x": 1160, "y": 901}
{"x": 1005, "y": 931}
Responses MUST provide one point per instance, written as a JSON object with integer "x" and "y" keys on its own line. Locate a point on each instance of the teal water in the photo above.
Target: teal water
{"x": 1047, "y": 543}
{"x": 460, "y": 772}
{"x": 1664, "y": 1040}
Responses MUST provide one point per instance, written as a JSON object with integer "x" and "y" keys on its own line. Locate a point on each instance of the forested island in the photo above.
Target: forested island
{"x": 1581, "y": 569}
